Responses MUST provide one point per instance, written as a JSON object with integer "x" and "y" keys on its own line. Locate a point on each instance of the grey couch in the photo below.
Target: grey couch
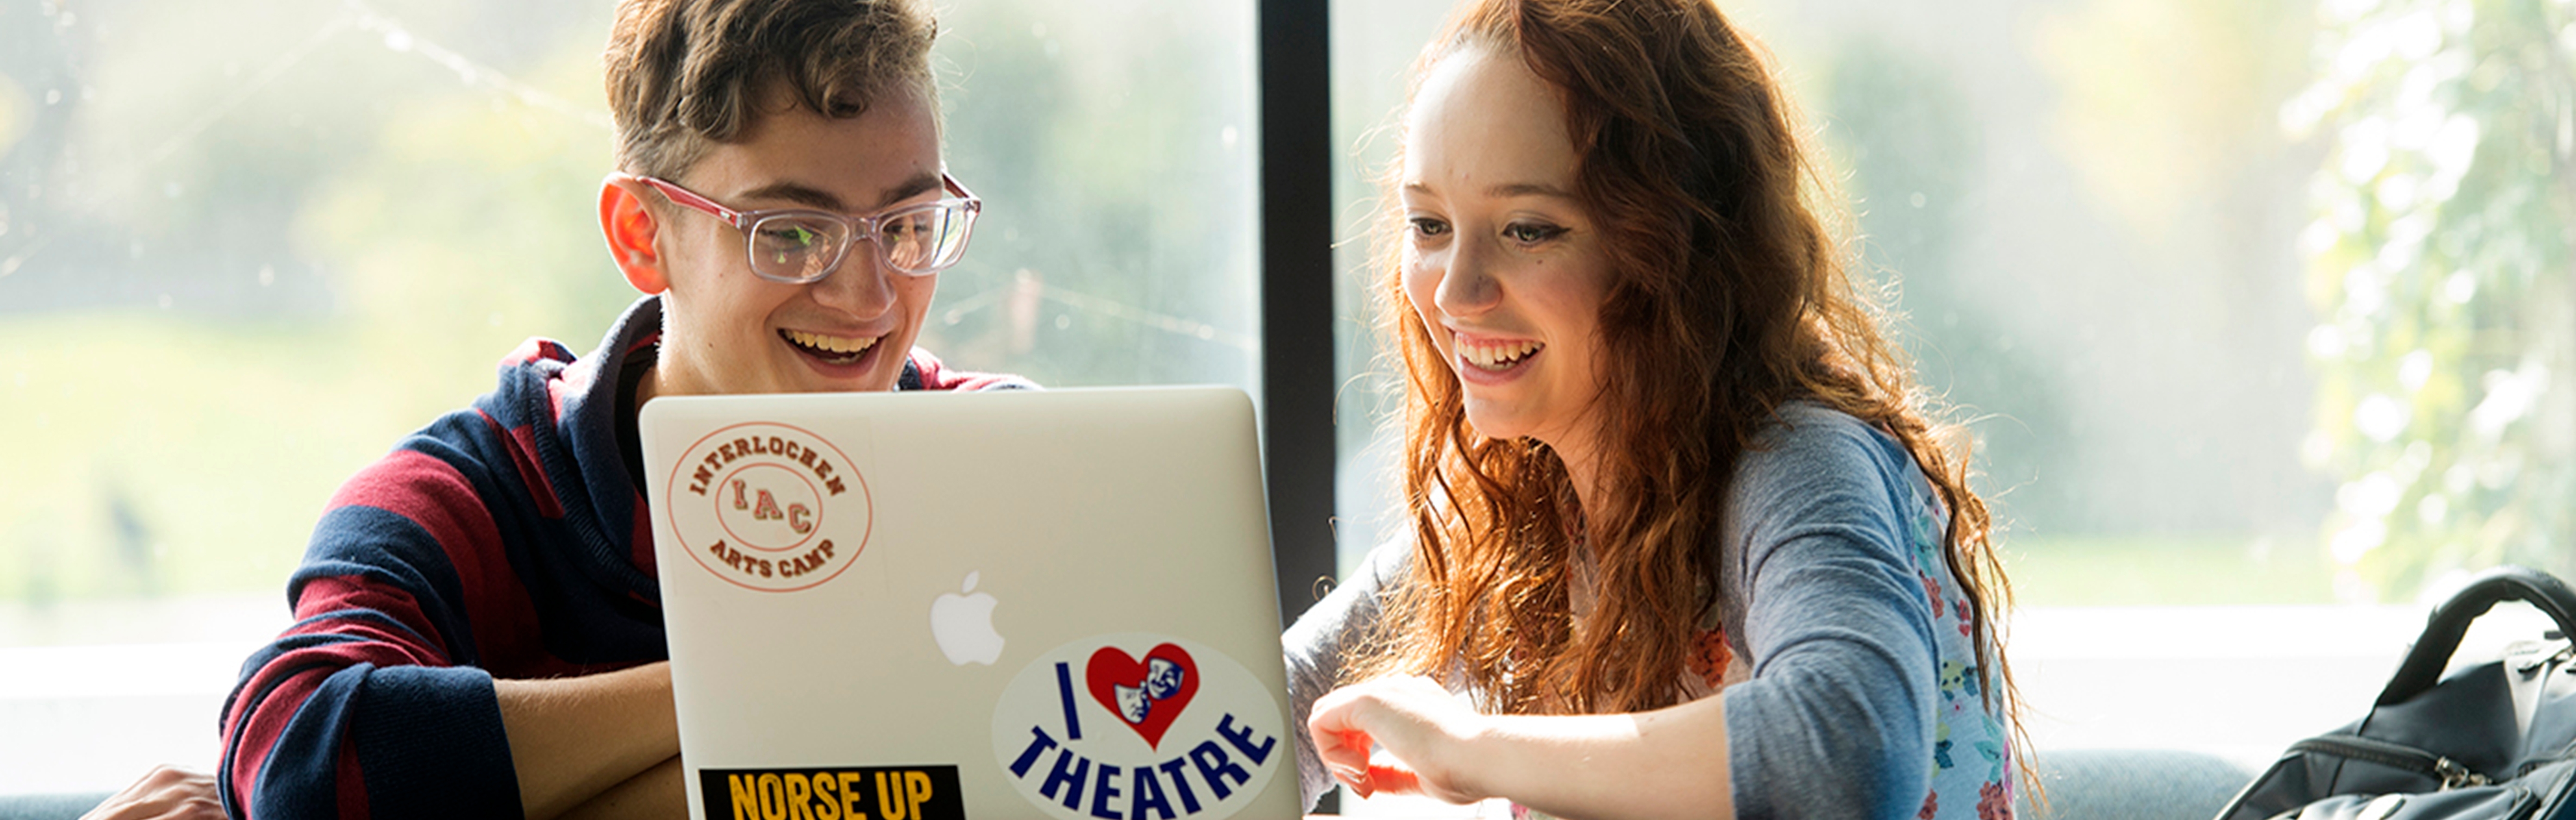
{"x": 2132, "y": 784}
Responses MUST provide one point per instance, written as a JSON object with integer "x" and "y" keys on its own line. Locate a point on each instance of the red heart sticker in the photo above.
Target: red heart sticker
{"x": 1146, "y": 695}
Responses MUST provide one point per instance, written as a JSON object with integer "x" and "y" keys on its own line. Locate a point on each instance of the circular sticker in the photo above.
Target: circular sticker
{"x": 1139, "y": 726}
{"x": 769, "y": 507}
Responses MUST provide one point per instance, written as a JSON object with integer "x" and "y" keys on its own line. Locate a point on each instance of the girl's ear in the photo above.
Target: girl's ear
{"x": 631, "y": 227}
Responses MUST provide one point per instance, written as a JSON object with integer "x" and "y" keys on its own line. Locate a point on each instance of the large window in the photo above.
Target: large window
{"x": 2258, "y": 312}
{"x": 244, "y": 248}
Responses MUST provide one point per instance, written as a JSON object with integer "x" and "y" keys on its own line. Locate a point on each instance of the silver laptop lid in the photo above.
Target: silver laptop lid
{"x": 1012, "y": 604}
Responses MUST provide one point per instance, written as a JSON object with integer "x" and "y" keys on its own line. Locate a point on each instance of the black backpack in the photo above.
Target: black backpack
{"x": 2497, "y": 740}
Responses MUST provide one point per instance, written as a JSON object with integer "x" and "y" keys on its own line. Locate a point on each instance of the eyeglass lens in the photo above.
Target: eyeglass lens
{"x": 806, "y": 248}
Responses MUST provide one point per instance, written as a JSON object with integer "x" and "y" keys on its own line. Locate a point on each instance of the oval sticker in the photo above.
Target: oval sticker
{"x": 1138, "y": 726}
{"x": 769, "y": 507}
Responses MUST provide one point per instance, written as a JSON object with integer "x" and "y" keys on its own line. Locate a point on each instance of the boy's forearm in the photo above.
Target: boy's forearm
{"x": 574, "y": 739}
{"x": 657, "y": 793}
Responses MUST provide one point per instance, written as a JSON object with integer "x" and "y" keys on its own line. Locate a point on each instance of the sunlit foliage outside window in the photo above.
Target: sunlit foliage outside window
{"x": 2439, "y": 264}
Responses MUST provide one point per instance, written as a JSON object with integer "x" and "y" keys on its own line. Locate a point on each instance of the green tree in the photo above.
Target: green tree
{"x": 2439, "y": 262}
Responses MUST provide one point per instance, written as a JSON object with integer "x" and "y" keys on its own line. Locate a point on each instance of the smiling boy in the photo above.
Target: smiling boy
{"x": 478, "y": 630}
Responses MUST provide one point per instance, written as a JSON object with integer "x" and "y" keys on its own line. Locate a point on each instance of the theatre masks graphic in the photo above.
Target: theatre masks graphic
{"x": 1140, "y": 727}
{"x": 1148, "y": 695}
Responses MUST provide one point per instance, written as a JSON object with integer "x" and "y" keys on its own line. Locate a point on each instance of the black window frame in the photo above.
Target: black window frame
{"x": 1297, "y": 295}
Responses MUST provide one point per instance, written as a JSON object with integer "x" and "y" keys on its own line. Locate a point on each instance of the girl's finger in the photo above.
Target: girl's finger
{"x": 1393, "y": 777}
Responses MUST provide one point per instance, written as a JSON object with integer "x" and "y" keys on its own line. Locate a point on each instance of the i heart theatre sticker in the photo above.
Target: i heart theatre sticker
{"x": 769, "y": 507}
{"x": 1139, "y": 726}
{"x": 1148, "y": 695}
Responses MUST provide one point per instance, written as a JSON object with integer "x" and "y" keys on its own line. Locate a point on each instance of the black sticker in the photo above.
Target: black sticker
{"x": 874, "y": 793}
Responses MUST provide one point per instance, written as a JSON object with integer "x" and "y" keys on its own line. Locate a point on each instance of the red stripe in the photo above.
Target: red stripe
{"x": 642, "y": 539}
{"x": 250, "y": 740}
{"x": 252, "y": 736}
{"x": 522, "y": 443}
{"x": 536, "y": 348}
{"x": 560, "y": 391}
{"x": 439, "y": 499}
{"x": 937, "y": 376}
{"x": 394, "y": 646}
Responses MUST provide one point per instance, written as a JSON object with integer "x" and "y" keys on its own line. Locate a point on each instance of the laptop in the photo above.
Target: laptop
{"x": 917, "y": 606}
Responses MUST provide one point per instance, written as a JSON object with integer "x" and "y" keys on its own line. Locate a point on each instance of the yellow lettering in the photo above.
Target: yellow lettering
{"x": 773, "y": 797}
{"x": 851, "y": 794}
{"x": 799, "y": 795}
{"x": 827, "y": 806}
{"x": 917, "y": 787}
{"x": 746, "y": 803}
{"x": 892, "y": 805}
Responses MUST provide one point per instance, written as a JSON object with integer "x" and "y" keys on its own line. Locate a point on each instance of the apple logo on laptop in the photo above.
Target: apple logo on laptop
{"x": 963, "y": 625}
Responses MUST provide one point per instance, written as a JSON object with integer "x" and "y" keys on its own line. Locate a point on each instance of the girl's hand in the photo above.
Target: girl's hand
{"x": 165, "y": 793}
{"x": 1424, "y": 729}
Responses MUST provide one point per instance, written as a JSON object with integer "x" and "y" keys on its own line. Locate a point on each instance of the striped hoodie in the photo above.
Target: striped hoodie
{"x": 504, "y": 540}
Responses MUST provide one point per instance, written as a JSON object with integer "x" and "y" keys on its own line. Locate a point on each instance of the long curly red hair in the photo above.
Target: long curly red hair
{"x": 1730, "y": 297}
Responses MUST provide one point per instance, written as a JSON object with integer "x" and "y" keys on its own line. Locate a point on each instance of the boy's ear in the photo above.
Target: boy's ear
{"x": 631, "y": 227}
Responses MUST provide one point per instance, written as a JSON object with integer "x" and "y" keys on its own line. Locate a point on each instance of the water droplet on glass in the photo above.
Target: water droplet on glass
{"x": 1063, "y": 321}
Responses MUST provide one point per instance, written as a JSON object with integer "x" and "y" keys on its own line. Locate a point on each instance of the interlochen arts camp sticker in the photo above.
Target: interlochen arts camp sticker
{"x": 1138, "y": 726}
{"x": 769, "y": 507}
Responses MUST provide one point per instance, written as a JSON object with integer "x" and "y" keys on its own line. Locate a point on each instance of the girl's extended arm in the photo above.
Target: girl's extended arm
{"x": 1665, "y": 763}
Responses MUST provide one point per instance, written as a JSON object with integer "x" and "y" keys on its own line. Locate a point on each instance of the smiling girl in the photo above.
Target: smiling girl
{"x": 1683, "y": 532}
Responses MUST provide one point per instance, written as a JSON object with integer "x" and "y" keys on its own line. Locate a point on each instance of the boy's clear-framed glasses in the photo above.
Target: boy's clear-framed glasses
{"x": 799, "y": 246}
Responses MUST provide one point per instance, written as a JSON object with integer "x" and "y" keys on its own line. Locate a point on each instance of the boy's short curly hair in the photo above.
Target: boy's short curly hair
{"x": 686, "y": 75}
